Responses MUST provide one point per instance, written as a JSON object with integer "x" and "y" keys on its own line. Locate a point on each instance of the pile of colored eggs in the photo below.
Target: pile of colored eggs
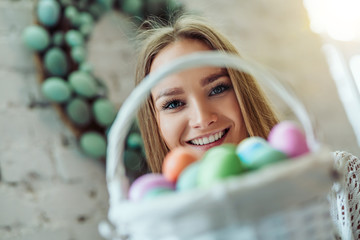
{"x": 59, "y": 41}
{"x": 182, "y": 170}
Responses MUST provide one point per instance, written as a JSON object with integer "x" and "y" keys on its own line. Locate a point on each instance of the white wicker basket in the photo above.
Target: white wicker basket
{"x": 286, "y": 200}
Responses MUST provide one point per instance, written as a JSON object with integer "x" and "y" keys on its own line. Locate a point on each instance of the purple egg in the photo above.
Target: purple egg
{"x": 147, "y": 182}
{"x": 287, "y": 137}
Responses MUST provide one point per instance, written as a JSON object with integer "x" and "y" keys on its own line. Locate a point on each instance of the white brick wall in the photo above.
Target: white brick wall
{"x": 48, "y": 189}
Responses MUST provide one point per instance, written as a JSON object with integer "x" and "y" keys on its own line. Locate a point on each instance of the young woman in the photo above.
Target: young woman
{"x": 205, "y": 107}
{"x": 198, "y": 108}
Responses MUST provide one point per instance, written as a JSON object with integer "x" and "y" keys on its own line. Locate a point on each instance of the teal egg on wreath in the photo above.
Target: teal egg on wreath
{"x": 36, "y": 38}
{"x": 48, "y": 12}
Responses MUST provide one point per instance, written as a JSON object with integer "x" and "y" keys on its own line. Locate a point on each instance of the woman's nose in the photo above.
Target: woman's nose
{"x": 202, "y": 115}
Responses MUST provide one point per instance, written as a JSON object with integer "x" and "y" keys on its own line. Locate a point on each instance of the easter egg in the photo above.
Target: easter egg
{"x": 96, "y": 10}
{"x": 78, "y": 54}
{"x": 36, "y": 38}
{"x": 134, "y": 141}
{"x": 71, "y": 12}
{"x": 107, "y": 4}
{"x": 188, "y": 177}
{"x": 93, "y": 144}
{"x": 58, "y": 38}
{"x": 132, "y": 160}
{"x": 86, "y": 29}
{"x": 132, "y": 7}
{"x": 55, "y": 62}
{"x": 218, "y": 163}
{"x": 255, "y": 152}
{"x": 86, "y": 67}
{"x": 83, "y": 84}
{"x": 155, "y": 192}
{"x": 56, "y": 89}
{"x": 147, "y": 182}
{"x": 287, "y": 137}
{"x": 176, "y": 161}
{"x": 74, "y": 38}
{"x": 48, "y": 12}
{"x": 104, "y": 112}
{"x": 86, "y": 18}
{"x": 79, "y": 111}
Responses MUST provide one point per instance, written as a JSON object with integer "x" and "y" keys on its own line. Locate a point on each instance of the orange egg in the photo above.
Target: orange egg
{"x": 176, "y": 161}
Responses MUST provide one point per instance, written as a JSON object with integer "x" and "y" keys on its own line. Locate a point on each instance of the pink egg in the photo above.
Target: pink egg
{"x": 147, "y": 182}
{"x": 287, "y": 137}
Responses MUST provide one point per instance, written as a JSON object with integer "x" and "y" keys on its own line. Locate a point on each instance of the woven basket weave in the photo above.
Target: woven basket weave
{"x": 286, "y": 200}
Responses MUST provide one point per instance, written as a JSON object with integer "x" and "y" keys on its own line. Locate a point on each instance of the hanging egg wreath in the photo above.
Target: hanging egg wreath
{"x": 58, "y": 39}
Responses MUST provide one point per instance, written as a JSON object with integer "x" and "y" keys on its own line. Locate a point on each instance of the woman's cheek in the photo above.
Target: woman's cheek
{"x": 171, "y": 129}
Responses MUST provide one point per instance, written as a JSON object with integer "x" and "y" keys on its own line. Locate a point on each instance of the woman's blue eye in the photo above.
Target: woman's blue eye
{"x": 172, "y": 104}
{"x": 219, "y": 89}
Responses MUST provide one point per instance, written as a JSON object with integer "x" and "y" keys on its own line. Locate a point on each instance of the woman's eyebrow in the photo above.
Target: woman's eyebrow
{"x": 169, "y": 92}
{"x": 212, "y": 77}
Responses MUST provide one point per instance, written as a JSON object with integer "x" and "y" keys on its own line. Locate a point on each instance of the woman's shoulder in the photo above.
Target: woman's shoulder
{"x": 345, "y": 194}
{"x": 345, "y": 161}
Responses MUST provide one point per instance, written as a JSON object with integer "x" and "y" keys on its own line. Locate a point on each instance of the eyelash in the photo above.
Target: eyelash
{"x": 222, "y": 87}
{"x": 166, "y": 105}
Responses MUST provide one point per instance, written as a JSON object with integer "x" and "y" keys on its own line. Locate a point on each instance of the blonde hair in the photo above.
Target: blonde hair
{"x": 258, "y": 115}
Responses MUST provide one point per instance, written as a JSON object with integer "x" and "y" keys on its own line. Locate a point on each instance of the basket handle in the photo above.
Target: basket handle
{"x": 115, "y": 171}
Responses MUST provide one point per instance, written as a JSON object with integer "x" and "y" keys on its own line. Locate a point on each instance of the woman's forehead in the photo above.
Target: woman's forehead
{"x": 177, "y": 49}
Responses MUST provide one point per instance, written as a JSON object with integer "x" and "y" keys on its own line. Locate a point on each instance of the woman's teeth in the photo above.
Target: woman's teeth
{"x": 209, "y": 139}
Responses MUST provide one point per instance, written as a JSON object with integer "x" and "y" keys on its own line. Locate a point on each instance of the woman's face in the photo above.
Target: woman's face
{"x": 196, "y": 108}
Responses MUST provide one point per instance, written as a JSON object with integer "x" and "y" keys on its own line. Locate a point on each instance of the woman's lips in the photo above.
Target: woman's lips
{"x": 208, "y": 142}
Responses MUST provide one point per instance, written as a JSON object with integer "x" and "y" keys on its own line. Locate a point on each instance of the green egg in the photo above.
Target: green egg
{"x": 104, "y": 112}
{"x": 86, "y": 29}
{"x": 58, "y": 38}
{"x": 173, "y": 5}
{"x": 82, "y": 4}
{"x": 78, "y": 110}
{"x": 55, "y": 62}
{"x": 255, "y": 153}
{"x": 156, "y": 192}
{"x": 219, "y": 163}
{"x": 71, "y": 12}
{"x": 134, "y": 141}
{"x": 65, "y": 2}
{"x": 83, "y": 84}
{"x": 36, "y": 38}
{"x": 133, "y": 7}
{"x": 107, "y": 4}
{"x": 93, "y": 144}
{"x": 86, "y": 18}
{"x": 132, "y": 160}
{"x": 228, "y": 147}
{"x": 96, "y": 10}
{"x": 48, "y": 12}
{"x": 86, "y": 67}
{"x": 74, "y": 38}
{"x": 188, "y": 177}
{"x": 56, "y": 89}
{"x": 78, "y": 54}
